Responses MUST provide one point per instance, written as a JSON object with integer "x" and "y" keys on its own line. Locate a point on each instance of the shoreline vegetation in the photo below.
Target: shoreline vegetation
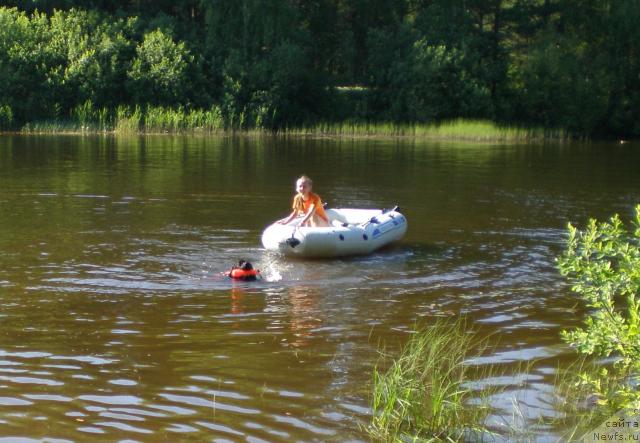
{"x": 426, "y": 393}
{"x": 161, "y": 120}
{"x": 432, "y": 69}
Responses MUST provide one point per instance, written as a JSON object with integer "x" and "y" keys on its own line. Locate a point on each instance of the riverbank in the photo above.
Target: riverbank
{"x": 159, "y": 120}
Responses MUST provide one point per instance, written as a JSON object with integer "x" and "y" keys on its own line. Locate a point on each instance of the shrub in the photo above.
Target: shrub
{"x": 602, "y": 262}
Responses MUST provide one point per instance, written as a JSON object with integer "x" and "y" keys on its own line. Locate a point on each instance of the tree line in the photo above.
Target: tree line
{"x": 571, "y": 64}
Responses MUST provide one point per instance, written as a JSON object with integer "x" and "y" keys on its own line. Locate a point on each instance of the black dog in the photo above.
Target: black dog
{"x": 245, "y": 265}
{"x": 244, "y": 271}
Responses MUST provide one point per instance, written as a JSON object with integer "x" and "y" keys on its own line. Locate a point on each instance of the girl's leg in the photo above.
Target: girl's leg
{"x": 317, "y": 221}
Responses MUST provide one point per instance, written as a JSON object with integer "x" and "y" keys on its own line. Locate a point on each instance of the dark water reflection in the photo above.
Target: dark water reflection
{"x": 116, "y": 321}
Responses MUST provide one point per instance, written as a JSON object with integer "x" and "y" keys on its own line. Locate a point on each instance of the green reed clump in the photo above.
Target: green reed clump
{"x": 426, "y": 394}
{"x": 161, "y": 119}
{"x": 87, "y": 118}
{"x": 128, "y": 120}
{"x": 83, "y": 113}
{"x": 179, "y": 120}
{"x": 210, "y": 120}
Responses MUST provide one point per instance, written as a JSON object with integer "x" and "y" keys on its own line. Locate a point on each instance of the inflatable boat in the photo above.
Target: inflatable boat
{"x": 351, "y": 232}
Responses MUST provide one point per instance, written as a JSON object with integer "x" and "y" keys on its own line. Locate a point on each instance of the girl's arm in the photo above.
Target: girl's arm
{"x": 309, "y": 214}
{"x": 286, "y": 220}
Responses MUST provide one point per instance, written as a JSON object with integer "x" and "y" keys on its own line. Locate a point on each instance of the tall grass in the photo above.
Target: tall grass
{"x": 458, "y": 129}
{"x": 426, "y": 394}
{"x": 52, "y": 126}
{"x": 128, "y": 120}
{"x": 162, "y": 119}
{"x": 159, "y": 119}
{"x": 86, "y": 118}
{"x": 586, "y": 394}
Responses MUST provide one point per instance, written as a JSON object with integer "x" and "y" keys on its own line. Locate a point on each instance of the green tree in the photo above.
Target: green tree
{"x": 31, "y": 68}
{"x": 389, "y": 65}
{"x": 425, "y": 82}
{"x": 558, "y": 63}
{"x": 562, "y": 85}
{"x": 266, "y": 75}
{"x": 287, "y": 90}
{"x": 622, "y": 47}
{"x": 98, "y": 53}
{"x": 158, "y": 74}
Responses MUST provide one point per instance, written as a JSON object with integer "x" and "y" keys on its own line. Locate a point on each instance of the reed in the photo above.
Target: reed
{"x": 426, "y": 394}
{"x": 83, "y": 113}
{"x": 128, "y": 121}
{"x": 159, "y": 119}
{"x": 459, "y": 129}
{"x": 87, "y": 118}
{"x": 180, "y": 120}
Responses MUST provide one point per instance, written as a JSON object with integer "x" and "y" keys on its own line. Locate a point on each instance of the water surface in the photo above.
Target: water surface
{"x": 116, "y": 322}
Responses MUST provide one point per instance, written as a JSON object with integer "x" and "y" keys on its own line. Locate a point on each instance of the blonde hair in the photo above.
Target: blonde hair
{"x": 298, "y": 202}
{"x": 305, "y": 179}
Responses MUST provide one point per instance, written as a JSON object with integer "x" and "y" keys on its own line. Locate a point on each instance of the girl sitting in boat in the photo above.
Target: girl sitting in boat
{"x": 308, "y": 205}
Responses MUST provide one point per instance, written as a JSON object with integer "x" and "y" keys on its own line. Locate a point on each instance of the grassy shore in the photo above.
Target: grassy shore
{"x": 459, "y": 129}
{"x": 161, "y": 120}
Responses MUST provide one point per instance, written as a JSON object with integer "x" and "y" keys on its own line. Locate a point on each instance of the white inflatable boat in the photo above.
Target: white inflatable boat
{"x": 352, "y": 232}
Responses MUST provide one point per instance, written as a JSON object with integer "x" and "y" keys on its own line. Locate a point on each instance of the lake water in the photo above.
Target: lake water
{"x": 116, "y": 322}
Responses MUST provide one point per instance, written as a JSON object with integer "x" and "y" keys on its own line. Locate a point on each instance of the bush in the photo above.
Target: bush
{"x": 602, "y": 262}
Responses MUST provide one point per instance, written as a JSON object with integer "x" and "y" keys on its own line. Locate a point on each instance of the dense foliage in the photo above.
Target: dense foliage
{"x": 603, "y": 264}
{"x": 284, "y": 63}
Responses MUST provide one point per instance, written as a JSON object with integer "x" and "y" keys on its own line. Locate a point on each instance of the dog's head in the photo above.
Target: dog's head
{"x": 245, "y": 265}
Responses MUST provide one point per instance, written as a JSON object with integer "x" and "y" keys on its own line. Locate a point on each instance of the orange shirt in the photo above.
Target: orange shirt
{"x": 302, "y": 206}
